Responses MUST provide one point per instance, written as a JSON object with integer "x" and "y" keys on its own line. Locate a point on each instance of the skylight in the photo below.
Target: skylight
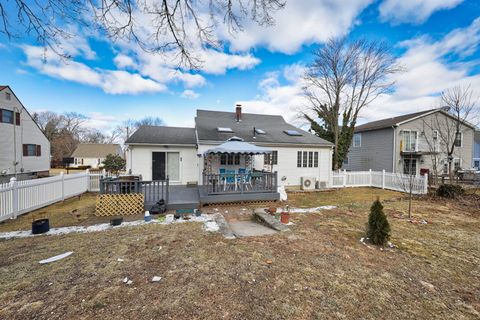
{"x": 222, "y": 129}
{"x": 292, "y": 133}
{"x": 259, "y": 131}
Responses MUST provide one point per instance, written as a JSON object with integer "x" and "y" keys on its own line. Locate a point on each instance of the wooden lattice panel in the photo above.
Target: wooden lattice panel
{"x": 119, "y": 204}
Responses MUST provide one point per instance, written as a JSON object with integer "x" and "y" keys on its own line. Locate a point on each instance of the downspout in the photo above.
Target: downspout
{"x": 394, "y": 148}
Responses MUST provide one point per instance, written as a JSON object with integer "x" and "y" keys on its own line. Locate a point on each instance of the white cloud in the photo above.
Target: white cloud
{"x": 189, "y": 94}
{"x": 431, "y": 67}
{"x": 110, "y": 81}
{"x": 413, "y": 11}
{"x": 299, "y": 23}
{"x": 123, "y": 61}
{"x": 276, "y": 98}
{"x": 215, "y": 62}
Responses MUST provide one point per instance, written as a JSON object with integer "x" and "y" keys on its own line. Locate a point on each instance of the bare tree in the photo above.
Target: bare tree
{"x": 123, "y": 131}
{"x": 459, "y": 109}
{"x": 174, "y": 27}
{"x": 345, "y": 77}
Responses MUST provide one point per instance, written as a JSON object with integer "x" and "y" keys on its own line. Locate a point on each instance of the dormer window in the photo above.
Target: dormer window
{"x": 292, "y": 133}
{"x": 8, "y": 96}
{"x": 224, "y": 130}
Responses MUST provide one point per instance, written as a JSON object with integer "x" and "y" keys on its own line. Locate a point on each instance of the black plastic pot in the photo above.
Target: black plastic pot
{"x": 116, "y": 221}
{"x": 40, "y": 226}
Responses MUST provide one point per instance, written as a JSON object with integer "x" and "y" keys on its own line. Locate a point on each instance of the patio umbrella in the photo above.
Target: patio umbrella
{"x": 238, "y": 147}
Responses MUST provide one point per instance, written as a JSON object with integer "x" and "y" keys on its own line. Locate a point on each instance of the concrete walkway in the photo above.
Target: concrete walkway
{"x": 250, "y": 229}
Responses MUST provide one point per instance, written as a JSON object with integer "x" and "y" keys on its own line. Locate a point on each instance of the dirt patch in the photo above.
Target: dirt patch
{"x": 319, "y": 270}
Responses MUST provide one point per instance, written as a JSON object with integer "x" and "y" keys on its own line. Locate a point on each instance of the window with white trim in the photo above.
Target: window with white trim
{"x": 270, "y": 158}
{"x": 458, "y": 140}
{"x": 409, "y": 140}
{"x": 307, "y": 159}
{"x": 357, "y": 140}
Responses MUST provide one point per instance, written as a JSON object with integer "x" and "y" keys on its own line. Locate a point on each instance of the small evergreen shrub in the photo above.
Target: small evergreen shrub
{"x": 378, "y": 228}
{"x": 451, "y": 191}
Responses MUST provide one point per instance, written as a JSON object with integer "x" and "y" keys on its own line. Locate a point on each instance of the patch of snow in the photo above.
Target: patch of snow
{"x": 307, "y": 210}
{"x": 211, "y": 226}
{"x": 104, "y": 227}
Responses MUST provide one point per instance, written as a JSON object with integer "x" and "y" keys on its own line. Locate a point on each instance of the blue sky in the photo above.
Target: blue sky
{"x": 435, "y": 40}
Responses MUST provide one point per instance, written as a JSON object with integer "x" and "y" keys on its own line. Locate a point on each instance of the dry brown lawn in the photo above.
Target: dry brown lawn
{"x": 319, "y": 271}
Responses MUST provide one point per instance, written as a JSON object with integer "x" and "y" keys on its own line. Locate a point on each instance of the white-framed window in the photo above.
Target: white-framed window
{"x": 8, "y": 96}
{"x": 270, "y": 158}
{"x": 476, "y": 164}
{"x": 357, "y": 140}
{"x": 457, "y": 164}
{"x": 307, "y": 159}
{"x": 409, "y": 140}
{"x": 458, "y": 140}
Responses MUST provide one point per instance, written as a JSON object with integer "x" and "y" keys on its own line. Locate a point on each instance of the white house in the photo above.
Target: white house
{"x": 93, "y": 154}
{"x": 24, "y": 149}
{"x": 198, "y": 155}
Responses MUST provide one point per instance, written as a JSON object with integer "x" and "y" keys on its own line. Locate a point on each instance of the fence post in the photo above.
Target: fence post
{"x": 344, "y": 178}
{"x": 370, "y": 177}
{"x": 425, "y": 183}
{"x": 13, "y": 185}
{"x": 62, "y": 176}
{"x": 383, "y": 179}
{"x": 88, "y": 179}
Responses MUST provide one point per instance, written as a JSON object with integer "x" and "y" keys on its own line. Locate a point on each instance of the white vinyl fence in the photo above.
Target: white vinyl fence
{"x": 19, "y": 197}
{"x": 381, "y": 179}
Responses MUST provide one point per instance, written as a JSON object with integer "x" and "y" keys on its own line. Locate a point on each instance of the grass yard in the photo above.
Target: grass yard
{"x": 319, "y": 270}
{"x": 72, "y": 212}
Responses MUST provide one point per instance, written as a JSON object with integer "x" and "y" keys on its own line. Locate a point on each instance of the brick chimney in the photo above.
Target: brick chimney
{"x": 238, "y": 112}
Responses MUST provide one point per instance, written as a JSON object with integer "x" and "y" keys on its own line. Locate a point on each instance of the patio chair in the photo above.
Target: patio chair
{"x": 245, "y": 177}
{"x": 230, "y": 178}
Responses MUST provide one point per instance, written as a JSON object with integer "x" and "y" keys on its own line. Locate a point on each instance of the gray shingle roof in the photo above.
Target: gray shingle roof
{"x": 163, "y": 135}
{"x": 207, "y": 123}
{"x": 389, "y": 122}
{"x": 95, "y": 150}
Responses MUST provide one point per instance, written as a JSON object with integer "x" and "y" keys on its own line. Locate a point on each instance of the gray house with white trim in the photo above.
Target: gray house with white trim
{"x": 411, "y": 143}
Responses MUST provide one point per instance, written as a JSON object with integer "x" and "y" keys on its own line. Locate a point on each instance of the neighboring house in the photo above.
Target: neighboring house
{"x": 410, "y": 143}
{"x": 24, "y": 149}
{"x": 476, "y": 151}
{"x": 93, "y": 154}
{"x": 188, "y": 155}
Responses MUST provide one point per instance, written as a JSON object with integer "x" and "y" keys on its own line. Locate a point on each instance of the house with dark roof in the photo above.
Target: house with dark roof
{"x": 231, "y": 152}
{"x": 93, "y": 154}
{"x": 24, "y": 149}
{"x": 412, "y": 143}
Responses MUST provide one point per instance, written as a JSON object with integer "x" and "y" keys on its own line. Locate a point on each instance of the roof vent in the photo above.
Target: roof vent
{"x": 224, "y": 129}
{"x": 293, "y": 133}
{"x": 260, "y": 131}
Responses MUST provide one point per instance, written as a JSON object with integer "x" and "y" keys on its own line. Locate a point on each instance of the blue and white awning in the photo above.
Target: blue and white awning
{"x": 238, "y": 147}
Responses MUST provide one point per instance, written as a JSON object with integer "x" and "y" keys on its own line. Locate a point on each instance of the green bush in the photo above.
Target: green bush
{"x": 113, "y": 163}
{"x": 451, "y": 191}
{"x": 378, "y": 228}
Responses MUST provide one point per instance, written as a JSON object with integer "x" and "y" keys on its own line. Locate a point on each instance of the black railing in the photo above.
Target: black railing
{"x": 228, "y": 183}
{"x": 152, "y": 191}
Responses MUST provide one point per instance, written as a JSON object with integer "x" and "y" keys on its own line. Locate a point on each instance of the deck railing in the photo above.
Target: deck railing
{"x": 228, "y": 183}
{"x": 153, "y": 191}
